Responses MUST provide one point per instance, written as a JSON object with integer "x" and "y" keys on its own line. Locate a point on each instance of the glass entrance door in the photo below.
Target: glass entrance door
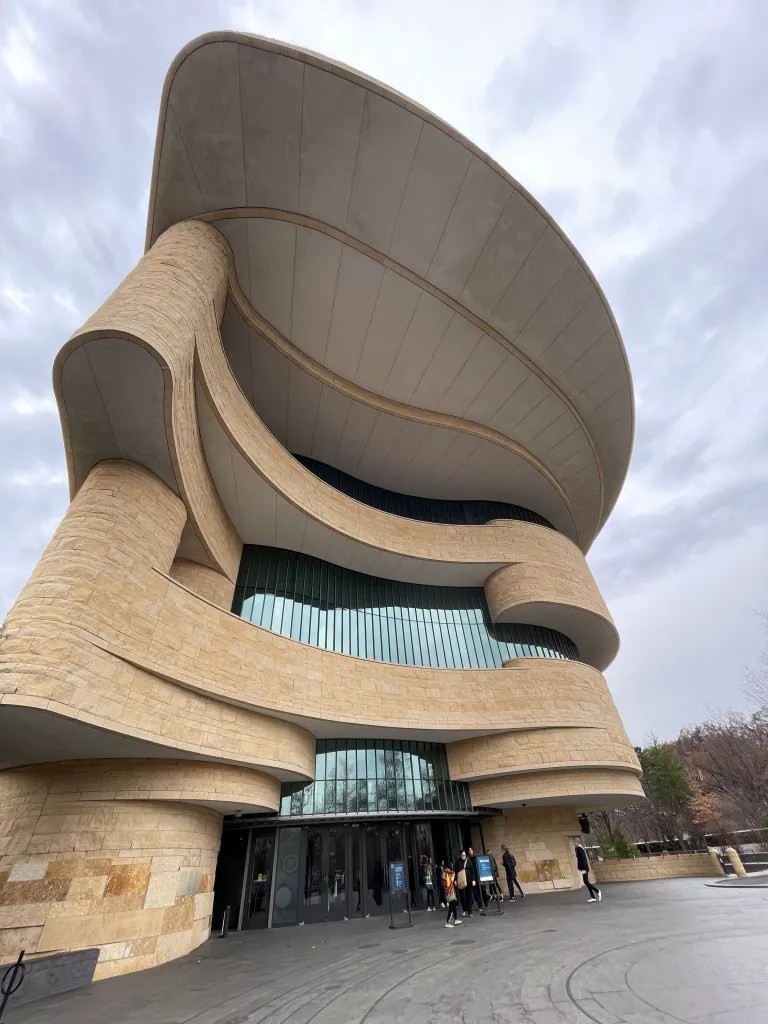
{"x": 260, "y": 881}
{"x": 336, "y": 875}
{"x": 326, "y": 875}
{"x": 383, "y": 844}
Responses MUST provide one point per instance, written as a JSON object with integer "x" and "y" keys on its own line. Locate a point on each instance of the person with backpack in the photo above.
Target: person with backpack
{"x": 440, "y": 887}
{"x": 582, "y": 865}
{"x": 510, "y": 867}
{"x": 449, "y": 889}
{"x": 466, "y": 880}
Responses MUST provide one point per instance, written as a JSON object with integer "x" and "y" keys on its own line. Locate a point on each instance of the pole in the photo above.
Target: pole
{"x": 12, "y": 979}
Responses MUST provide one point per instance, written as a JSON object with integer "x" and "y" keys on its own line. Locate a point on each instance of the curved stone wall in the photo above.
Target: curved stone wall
{"x": 602, "y": 745}
{"x": 92, "y": 857}
{"x": 558, "y": 597}
{"x": 583, "y": 788}
{"x": 205, "y": 582}
{"x": 170, "y": 305}
{"x": 128, "y": 634}
{"x": 174, "y": 295}
{"x": 97, "y": 587}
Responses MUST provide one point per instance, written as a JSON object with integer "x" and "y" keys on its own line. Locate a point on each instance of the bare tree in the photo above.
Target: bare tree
{"x": 729, "y": 757}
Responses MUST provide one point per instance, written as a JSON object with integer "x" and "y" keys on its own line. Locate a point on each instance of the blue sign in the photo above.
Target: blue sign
{"x": 484, "y": 869}
{"x": 397, "y": 877}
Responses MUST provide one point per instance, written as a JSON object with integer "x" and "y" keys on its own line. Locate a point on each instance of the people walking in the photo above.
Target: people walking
{"x": 449, "y": 888}
{"x": 427, "y": 881}
{"x": 439, "y": 874}
{"x": 582, "y": 864}
{"x": 496, "y": 893}
{"x": 476, "y": 888}
{"x": 510, "y": 867}
{"x": 463, "y": 870}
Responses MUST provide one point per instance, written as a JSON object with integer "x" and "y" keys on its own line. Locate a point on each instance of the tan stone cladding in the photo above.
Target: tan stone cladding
{"x": 542, "y": 840}
{"x": 527, "y": 749}
{"x": 90, "y": 857}
{"x": 95, "y": 585}
{"x": 100, "y": 635}
{"x": 594, "y": 786}
{"x": 175, "y": 294}
{"x": 213, "y": 586}
{"x": 684, "y": 865}
{"x": 569, "y": 605}
{"x": 171, "y": 305}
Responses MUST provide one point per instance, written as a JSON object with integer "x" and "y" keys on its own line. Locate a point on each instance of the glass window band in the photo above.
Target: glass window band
{"x": 430, "y": 510}
{"x": 364, "y": 776}
{"x": 337, "y": 609}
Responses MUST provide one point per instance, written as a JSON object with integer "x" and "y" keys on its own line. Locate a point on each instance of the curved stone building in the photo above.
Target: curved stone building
{"x": 337, "y": 447}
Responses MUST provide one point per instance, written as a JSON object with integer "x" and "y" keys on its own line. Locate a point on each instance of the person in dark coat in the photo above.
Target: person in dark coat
{"x": 510, "y": 867}
{"x": 465, "y": 895}
{"x": 582, "y": 864}
{"x": 496, "y": 893}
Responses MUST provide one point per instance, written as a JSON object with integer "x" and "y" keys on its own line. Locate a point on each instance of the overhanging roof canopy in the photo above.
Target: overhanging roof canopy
{"x": 403, "y": 308}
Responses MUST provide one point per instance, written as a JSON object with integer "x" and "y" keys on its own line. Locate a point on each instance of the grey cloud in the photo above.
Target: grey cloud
{"x": 526, "y": 89}
{"x": 721, "y": 90}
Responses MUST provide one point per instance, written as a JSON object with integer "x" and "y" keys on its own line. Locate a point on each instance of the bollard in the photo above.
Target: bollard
{"x": 716, "y": 860}
{"x": 224, "y": 924}
{"x": 735, "y": 860}
{"x": 12, "y": 979}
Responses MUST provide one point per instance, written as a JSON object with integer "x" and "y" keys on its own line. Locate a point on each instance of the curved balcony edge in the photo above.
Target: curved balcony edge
{"x": 586, "y": 788}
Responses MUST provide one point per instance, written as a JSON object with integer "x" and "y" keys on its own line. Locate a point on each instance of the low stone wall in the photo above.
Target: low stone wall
{"x": 684, "y": 865}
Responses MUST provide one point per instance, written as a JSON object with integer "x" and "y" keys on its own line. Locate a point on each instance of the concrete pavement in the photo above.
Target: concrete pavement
{"x": 651, "y": 953}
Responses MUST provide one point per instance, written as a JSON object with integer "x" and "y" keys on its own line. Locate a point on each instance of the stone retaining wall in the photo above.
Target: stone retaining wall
{"x": 686, "y": 865}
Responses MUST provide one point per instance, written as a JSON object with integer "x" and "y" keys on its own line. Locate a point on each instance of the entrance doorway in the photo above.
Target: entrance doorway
{"x": 256, "y": 911}
{"x": 329, "y": 870}
{"x": 332, "y": 873}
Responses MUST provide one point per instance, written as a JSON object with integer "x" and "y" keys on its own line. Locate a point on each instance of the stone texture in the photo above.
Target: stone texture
{"x": 145, "y": 869}
{"x": 205, "y": 582}
{"x": 542, "y": 840}
{"x": 571, "y": 600}
{"x": 139, "y": 630}
{"x": 28, "y": 871}
{"x": 687, "y": 865}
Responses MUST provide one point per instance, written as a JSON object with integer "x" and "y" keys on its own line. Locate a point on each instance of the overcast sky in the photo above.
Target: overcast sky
{"x": 640, "y": 126}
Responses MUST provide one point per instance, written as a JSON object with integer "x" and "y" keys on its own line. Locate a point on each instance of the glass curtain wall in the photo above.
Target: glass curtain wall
{"x": 337, "y": 609}
{"x": 375, "y": 777}
{"x": 431, "y": 510}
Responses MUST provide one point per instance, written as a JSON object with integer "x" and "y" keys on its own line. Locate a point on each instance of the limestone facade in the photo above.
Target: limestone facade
{"x": 159, "y": 711}
{"x": 542, "y": 840}
{"x": 107, "y": 854}
{"x": 684, "y": 865}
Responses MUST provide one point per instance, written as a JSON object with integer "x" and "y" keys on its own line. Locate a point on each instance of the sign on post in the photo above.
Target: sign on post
{"x": 397, "y": 876}
{"x": 485, "y": 874}
{"x": 484, "y": 870}
{"x": 398, "y": 882}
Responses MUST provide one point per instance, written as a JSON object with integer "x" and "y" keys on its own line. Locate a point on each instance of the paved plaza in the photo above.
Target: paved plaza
{"x": 651, "y": 953}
